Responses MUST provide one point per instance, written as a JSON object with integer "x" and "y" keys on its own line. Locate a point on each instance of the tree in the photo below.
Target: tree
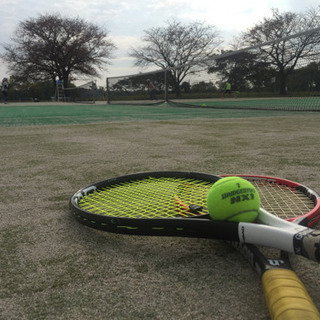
{"x": 51, "y": 47}
{"x": 203, "y": 86}
{"x": 177, "y": 47}
{"x": 243, "y": 70}
{"x": 283, "y": 56}
{"x": 306, "y": 79}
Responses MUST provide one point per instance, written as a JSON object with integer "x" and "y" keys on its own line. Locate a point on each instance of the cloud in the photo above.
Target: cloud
{"x": 126, "y": 20}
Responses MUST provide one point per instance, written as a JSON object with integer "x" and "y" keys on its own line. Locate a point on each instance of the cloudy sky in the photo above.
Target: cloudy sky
{"x": 126, "y": 20}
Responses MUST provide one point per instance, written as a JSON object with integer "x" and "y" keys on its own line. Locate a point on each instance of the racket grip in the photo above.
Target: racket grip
{"x": 286, "y": 296}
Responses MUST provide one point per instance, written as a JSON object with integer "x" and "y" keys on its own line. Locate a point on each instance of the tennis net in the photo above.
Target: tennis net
{"x": 283, "y": 74}
{"x": 85, "y": 93}
{"x": 143, "y": 88}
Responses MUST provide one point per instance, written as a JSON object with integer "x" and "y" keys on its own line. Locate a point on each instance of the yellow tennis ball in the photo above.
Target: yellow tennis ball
{"x": 233, "y": 199}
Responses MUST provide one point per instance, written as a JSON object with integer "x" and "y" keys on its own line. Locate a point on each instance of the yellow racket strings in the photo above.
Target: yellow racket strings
{"x": 146, "y": 198}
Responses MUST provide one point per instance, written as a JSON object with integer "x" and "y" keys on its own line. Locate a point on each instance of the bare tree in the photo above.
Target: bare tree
{"x": 283, "y": 56}
{"x": 177, "y": 45}
{"x": 243, "y": 69}
{"x": 51, "y": 46}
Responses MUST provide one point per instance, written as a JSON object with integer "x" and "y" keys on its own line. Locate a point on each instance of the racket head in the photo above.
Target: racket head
{"x": 286, "y": 199}
{"x": 166, "y": 200}
{"x": 141, "y": 200}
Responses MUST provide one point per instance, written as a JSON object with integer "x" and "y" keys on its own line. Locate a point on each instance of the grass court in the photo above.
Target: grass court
{"x": 52, "y": 267}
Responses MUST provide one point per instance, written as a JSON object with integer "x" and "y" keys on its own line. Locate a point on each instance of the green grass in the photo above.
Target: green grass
{"x": 300, "y": 104}
{"x": 26, "y": 115}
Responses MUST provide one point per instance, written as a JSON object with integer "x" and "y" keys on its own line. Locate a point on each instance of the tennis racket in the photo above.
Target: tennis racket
{"x": 173, "y": 203}
{"x": 146, "y": 204}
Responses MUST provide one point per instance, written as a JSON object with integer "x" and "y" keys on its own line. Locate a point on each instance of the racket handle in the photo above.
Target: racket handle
{"x": 286, "y": 296}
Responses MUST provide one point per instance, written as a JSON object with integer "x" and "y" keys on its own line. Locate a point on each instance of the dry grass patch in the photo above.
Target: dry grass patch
{"x": 54, "y": 268}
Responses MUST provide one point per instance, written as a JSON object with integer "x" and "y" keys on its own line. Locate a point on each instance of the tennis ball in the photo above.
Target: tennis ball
{"x": 233, "y": 199}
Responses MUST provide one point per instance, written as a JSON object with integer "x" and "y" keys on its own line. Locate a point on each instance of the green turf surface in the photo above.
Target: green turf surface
{"x": 25, "y": 115}
{"x": 282, "y": 104}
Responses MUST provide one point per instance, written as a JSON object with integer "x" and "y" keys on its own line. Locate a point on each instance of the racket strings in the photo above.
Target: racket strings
{"x": 146, "y": 198}
{"x": 167, "y": 197}
{"x": 283, "y": 201}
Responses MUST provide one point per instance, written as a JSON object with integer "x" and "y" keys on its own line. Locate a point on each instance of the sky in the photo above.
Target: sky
{"x": 126, "y": 21}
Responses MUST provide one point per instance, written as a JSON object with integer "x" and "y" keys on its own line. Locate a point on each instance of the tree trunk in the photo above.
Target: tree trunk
{"x": 283, "y": 81}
